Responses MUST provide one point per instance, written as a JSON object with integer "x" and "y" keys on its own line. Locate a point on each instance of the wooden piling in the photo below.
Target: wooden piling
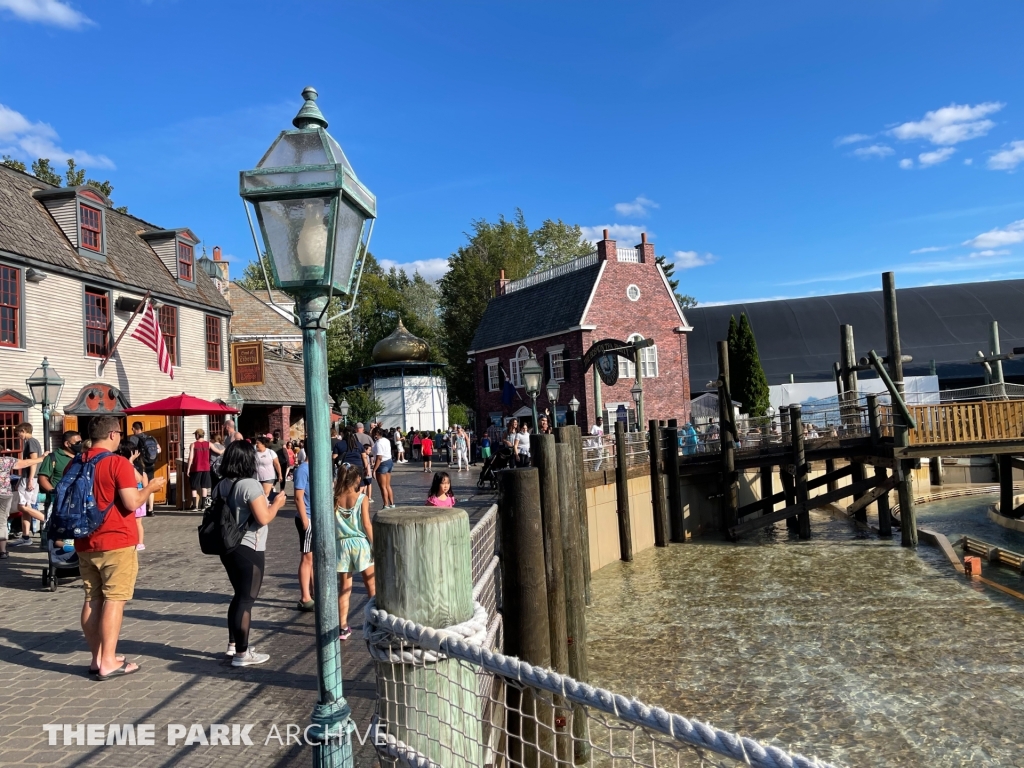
{"x": 935, "y": 470}
{"x": 542, "y": 452}
{"x": 622, "y": 494}
{"x": 1005, "y": 484}
{"x": 677, "y": 522}
{"x": 800, "y": 471}
{"x": 659, "y": 507}
{"x": 830, "y": 467}
{"x": 851, "y": 418}
{"x": 767, "y": 487}
{"x": 424, "y": 573}
{"x": 882, "y": 505}
{"x": 575, "y": 603}
{"x": 572, "y": 436}
{"x": 524, "y": 608}
{"x": 901, "y": 436}
{"x": 727, "y": 436}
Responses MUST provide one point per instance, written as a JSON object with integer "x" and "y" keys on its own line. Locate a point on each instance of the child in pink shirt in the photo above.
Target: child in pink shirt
{"x": 441, "y": 491}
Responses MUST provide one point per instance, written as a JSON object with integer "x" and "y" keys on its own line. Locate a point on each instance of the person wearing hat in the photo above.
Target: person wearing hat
{"x": 199, "y": 477}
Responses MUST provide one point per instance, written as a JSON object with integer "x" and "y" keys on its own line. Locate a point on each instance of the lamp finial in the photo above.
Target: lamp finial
{"x": 310, "y": 115}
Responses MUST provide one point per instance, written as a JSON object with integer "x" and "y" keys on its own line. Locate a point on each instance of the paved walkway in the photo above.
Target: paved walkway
{"x": 175, "y": 627}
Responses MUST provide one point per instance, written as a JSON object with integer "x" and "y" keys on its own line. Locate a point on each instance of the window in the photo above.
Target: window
{"x": 9, "y": 444}
{"x": 97, "y": 323}
{"x": 185, "y": 261}
{"x": 10, "y": 306}
{"x": 173, "y": 441}
{"x": 215, "y": 427}
{"x": 557, "y": 366}
{"x": 633, "y": 293}
{"x": 648, "y": 362}
{"x": 493, "y": 379}
{"x": 516, "y": 366}
{"x": 169, "y": 330}
{"x": 213, "y": 343}
{"x": 92, "y": 227}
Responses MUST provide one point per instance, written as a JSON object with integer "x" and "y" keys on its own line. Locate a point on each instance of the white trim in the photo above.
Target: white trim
{"x": 593, "y": 292}
{"x": 557, "y": 348}
{"x": 583, "y": 328}
{"x": 685, "y": 326}
{"x": 522, "y": 342}
{"x": 492, "y": 360}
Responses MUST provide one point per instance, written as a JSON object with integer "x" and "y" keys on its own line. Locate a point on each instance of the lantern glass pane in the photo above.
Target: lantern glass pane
{"x": 263, "y": 181}
{"x": 347, "y": 235}
{"x": 53, "y": 392}
{"x": 296, "y": 233}
{"x": 339, "y": 155}
{"x": 295, "y": 149}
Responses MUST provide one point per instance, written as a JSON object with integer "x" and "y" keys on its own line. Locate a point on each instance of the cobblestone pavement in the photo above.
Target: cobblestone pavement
{"x": 175, "y": 628}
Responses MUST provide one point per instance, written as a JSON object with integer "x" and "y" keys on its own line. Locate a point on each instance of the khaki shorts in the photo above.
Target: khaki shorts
{"x": 109, "y": 575}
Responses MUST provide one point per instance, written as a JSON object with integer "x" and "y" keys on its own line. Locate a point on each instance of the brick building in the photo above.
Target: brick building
{"x": 559, "y": 313}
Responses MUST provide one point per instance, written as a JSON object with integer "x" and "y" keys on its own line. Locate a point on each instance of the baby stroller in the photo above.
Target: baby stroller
{"x": 60, "y": 562}
{"x": 501, "y": 459}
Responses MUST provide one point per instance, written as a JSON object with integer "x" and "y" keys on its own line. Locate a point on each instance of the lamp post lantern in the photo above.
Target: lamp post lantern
{"x": 315, "y": 218}
{"x": 637, "y": 391}
{"x": 574, "y": 405}
{"x": 45, "y": 386}
{"x": 533, "y": 375}
{"x": 343, "y": 409}
{"x": 553, "y": 390}
{"x": 236, "y": 401}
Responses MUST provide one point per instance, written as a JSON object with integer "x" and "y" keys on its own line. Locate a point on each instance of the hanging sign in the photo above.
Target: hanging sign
{"x": 247, "y": 363}
{"x": 606, "y": 353}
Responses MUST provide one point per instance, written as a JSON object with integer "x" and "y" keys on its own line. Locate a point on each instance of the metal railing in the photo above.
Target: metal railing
{"x": 549, "y": 274}
{"x": 600, "y": 452}
{"x": 628, "y": 255}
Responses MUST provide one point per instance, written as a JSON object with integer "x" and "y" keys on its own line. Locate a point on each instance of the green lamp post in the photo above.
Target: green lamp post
{"x": 533, "y": 375}
{"x": 315, "y": 219}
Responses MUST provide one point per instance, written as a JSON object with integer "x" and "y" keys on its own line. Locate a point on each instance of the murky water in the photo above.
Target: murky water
{"x": 845, "y": 647}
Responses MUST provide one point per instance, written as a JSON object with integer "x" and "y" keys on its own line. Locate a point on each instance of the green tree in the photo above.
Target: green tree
{"x": 363, "y": 406}
{"x": 75, "y": 176}
{"x": 103, "y": 186}
{"x": 557, "y": 242}
{"x": 466, "y": 287}
{"x": 252, "y": 275}
{"x": 685, "y": 300}
{"x": 749, "y": 384}
{"x": 17, "y": 165}
{"x": 43, "y": 171}
{"x": 458, "y": 414}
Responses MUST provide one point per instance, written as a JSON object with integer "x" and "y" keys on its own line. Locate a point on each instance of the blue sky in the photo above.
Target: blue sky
{"x": 770, "y": 149}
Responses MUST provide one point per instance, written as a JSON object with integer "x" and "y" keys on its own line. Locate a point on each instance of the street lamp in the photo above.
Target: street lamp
{"x": 637, "y": 392}
{"x": 236, "y": 401}
{"x": 553, "y": 390}
{"x": 533, "y": 375}
{"x": 343, "y": 409}
{"x": 45, "y": 386}
{"x": 315, "y": 219}
{"x": 574, "y": 405}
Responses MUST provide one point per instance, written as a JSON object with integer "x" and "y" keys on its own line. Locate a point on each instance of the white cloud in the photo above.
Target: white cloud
{"x": 996, "y": 238}
{"x": 990, "y": 252}
{"x": 623, "y": 233}
{"x": 691, "y": 259}
{"x": 429, "y": 269}
{"x": 968, "y": 161}
{"x": 875, "y": 150}
{"x": 932, "y": 249}
{"x": 853, "y": 138}
{"x": 906, "y": 163}
{"x": 28, "y": 141}
{"x": 1008, "y": 158}
{"x": 639, "y": 208}
{"x": 51, "y": 12}
{"x": 935, "y": 157}
{"x": 950, "y": 125}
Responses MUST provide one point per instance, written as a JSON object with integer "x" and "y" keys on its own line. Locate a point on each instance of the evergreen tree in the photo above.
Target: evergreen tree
{"x": 749, "y": 384}
{"x": 685, "y": 300}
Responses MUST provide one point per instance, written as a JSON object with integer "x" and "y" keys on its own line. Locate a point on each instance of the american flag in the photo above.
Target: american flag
{"x": 148, "y": 332}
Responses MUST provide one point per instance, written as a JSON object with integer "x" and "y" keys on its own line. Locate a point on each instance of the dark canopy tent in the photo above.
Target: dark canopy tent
{"x": 946, "y": 323}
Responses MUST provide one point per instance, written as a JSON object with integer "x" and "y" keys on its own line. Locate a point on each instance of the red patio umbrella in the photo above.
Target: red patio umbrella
{"x": 180, "y": 405}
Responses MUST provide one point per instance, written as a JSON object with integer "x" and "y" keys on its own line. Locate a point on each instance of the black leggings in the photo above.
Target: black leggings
{"x": 245, "y": 570}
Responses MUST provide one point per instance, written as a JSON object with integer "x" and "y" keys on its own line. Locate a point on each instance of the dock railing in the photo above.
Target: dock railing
{"x": 454, "y": 692}
{"x": 964, "y": 422}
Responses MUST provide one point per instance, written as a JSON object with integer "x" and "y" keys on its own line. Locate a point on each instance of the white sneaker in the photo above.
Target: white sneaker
{"x": 249, "y": 658}
{"x": 231, "y": 650}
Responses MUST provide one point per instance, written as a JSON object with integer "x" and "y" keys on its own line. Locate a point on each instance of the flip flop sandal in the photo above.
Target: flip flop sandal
{"x": 95, "y": 672}
{"x": 119, "y": 672}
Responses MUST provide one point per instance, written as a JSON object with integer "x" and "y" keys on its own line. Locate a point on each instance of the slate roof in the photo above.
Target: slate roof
{"x": 28, "y": 230}
{"x": 944, "y": 323}
{"x": 285, "y": 384}
{"x": 254, "y": 317}
{"x": 544, "y": 309}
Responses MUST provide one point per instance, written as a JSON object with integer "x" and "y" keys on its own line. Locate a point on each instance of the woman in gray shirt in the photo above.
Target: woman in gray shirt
{"x": 245, "y": 563}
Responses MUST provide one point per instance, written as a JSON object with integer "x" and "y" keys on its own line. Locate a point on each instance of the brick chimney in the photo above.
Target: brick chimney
{"x": 645, "y": 250}
{"x": 606, "y": 248}
{"x": 499, "y": 284}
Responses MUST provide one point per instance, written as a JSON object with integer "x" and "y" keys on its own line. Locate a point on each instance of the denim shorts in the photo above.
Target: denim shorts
{"x": 385, "y": 467}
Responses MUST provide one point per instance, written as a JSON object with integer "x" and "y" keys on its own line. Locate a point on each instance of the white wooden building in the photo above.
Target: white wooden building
{"x": 72, "y": 270}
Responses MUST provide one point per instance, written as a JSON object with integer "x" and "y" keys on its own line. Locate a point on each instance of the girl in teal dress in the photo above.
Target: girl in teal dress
{"x": 354, "y": 530}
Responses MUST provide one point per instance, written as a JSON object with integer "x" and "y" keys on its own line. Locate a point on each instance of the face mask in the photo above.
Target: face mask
{"x": 75, "y": 448}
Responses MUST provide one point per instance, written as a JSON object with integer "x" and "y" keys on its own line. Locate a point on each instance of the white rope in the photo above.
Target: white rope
{"x": 487, "y": 577}
{"x": 385, "y": 629}
{"x": 384, "y": 647}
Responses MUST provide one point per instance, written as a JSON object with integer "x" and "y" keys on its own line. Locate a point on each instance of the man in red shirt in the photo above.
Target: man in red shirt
{"x": 107, "y": 557}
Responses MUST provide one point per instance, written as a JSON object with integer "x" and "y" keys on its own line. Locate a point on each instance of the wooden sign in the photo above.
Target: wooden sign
{"x": 606, "y": 353}
{"x": 247, "y": 363}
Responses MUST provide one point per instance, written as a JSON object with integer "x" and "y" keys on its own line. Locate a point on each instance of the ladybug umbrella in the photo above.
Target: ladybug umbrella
{"x": 180, "y": 405}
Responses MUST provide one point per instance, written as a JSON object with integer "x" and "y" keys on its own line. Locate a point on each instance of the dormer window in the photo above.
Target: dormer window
{"x": 185, "y": 261}
{"x": 91, "y": 220}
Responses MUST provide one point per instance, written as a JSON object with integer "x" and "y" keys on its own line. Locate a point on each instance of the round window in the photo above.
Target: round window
{"x": 633, "y": 293}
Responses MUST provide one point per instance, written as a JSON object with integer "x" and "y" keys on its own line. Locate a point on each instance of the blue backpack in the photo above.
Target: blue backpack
{"x": 75, "y": 513}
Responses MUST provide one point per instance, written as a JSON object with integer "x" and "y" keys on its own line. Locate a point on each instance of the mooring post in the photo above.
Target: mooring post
{"x": 677, "y": 523}
{"x": 424, "y": 574}
{"x": 935, "y": 470}
{"x": 1005, "y": 484}
{"x": 622, "y": 493}
{"x": 524, "y": 608}
{"x": 575, "y": 604}
{"x": 727, "y": 436}
{"x": 767, "y": 487}
{"x": 875, "y": 424}
{"x": 542, "y": 451}
{"x": 658, "y": 504}
{"x": 785, "y": 476}
{"x": 850, "y": 413}
{"x": 572, "y": 437}
{"x": 800, "y": 471}
{"x": 787, "y": 430}
{"x": 901, "y": 435}
{"x": 830, "y": 467}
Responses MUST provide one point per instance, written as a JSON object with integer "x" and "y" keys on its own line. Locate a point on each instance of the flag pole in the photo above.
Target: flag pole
{"x": 124, "y": 330}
